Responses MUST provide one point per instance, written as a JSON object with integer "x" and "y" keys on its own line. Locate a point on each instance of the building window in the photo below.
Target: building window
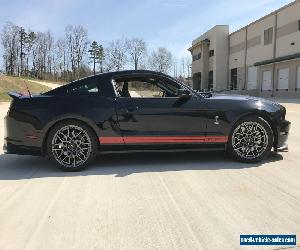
{"x": 210, "y": 80}
{"x": 211, "y": 53}
{"x": 196, "y": 56}
{"x": 233, "y": 74}
{"x": 268, "y": 36}
{"x": 298, "y": 24}
{"x": 197, "y": 81}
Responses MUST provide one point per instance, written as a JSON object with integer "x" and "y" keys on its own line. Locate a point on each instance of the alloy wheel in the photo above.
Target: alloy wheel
{"x": 71, "y": 146}
{"x": 250, "y": 140}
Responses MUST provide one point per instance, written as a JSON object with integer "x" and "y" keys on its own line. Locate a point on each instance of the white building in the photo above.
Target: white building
{"x": 262, "y": 58}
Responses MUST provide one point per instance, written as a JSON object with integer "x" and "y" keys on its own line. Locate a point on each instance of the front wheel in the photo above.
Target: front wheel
{"x": 251, "y": 140}
{"x": 71, "y": 145}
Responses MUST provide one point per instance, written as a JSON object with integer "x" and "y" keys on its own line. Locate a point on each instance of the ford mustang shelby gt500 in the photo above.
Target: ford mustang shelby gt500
{"x": 140, "y": 111}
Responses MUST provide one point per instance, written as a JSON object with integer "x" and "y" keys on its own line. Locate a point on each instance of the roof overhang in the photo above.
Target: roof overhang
{"x": 190, "y": 49}
{"x": 278, "y": 59}
{"x": 199, "y": 43}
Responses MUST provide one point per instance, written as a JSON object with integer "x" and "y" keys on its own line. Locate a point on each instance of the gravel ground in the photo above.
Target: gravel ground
{"x": 149, "y": 201}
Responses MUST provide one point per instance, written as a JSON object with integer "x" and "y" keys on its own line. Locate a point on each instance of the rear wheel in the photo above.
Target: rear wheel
{"x": 72, "y": 145}
{"x": 251, "y": 140}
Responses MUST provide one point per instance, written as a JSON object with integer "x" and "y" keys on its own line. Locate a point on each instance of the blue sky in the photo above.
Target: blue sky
{"x": 170, "y": 23}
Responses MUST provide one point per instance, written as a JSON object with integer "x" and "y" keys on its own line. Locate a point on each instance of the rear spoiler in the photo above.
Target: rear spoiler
{"x": 16, "y": 95}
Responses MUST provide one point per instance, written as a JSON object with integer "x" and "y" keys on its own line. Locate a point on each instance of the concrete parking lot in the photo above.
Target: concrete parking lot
{"x": 149, "y": 201}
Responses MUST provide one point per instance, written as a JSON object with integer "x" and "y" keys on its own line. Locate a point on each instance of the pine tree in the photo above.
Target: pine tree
{"x": 23, "y": 36}
{"x": 97, "y": 55}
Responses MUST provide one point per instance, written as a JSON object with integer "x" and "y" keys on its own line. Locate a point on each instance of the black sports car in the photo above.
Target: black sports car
{"x": 140, "y": 110}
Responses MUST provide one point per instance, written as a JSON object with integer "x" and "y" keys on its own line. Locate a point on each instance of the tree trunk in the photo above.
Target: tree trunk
{"x": 135, "y": 62}
{"x": 6, "y": 65}
{"x": 94, "y": 65}
{"x": 27, "y": 66}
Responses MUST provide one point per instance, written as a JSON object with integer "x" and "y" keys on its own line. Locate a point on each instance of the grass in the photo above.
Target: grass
{"x": 9, "y": 83}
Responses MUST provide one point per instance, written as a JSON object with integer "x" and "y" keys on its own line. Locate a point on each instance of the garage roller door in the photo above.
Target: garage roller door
{"x": 283, "y": 78}
{"x": 266, "y": 84}
{"x": 252, "y": 78}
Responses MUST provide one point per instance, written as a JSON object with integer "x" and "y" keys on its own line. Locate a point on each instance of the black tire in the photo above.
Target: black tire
{"x": 80, "y": 150}
{"x": 251, "y": 140}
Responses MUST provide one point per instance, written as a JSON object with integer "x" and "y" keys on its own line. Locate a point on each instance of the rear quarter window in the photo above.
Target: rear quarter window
{"x": 96, "y": 86}
{"x": 83, "y": 89}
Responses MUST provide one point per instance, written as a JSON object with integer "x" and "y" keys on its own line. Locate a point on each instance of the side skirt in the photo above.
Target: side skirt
{"x": 220, "y": 147}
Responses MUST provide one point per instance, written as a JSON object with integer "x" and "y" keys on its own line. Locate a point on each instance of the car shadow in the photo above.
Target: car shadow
{"x": 15, "y": 167}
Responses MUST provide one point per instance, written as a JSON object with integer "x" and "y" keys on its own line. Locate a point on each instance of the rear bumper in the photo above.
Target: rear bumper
{"x": 9, "y": 148}
{"x": 21, "y": 138}
{"x": 283, "y": 134}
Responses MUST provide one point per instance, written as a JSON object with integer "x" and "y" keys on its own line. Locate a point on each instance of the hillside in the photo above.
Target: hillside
{"x": 9, "y": 83}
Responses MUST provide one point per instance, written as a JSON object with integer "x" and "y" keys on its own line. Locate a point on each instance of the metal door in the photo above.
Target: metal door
{"x": 252, "y": 78}
{"x": 283, "y": 79}
{"x": 266, "y": 83}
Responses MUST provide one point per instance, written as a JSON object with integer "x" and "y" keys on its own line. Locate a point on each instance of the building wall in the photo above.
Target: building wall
{"x": 218, "y": 41}
{"x": 237, "y": 45}
{"x": 288, "y": 30}
{"x": 259, "y": 51}
{"x": 237, "y": 49}
{"x": 221, "y": 59}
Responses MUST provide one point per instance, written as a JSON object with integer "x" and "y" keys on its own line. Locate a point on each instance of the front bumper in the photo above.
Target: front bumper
{"x": 282, "y": 136}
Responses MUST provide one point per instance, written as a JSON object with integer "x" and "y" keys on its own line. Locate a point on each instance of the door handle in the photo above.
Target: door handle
{"x": 132, "y": 109}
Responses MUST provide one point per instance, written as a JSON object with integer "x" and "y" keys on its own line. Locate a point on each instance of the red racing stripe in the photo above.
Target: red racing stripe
{"x": 162, "y": 139}
{"x": 111, "y": 140}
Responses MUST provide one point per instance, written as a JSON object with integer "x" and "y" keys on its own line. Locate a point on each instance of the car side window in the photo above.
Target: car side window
{"x": 83, "y": 89}
{"x": 145, "y": 88}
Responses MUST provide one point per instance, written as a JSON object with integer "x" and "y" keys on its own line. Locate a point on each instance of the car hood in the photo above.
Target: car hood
{"x": 245, "y": 98}
{"x": 242, "y": 97}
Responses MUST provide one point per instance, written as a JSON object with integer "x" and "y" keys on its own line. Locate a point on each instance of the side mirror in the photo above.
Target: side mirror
{"x": 183, "y": 93}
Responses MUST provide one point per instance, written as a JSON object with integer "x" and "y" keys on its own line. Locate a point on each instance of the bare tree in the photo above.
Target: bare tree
{"x": 80, "y": 45}
{"x": 76, "y": 42}
{"x": 137, "y": 50}
{"x": 161, "y": 60}
{"x": 39, "y": 55}
{"x": 175, "y": 73}
{"x": 61, "y": 53}
{"x": 42, "y": 54}
{"x": 188, "y": 61}
{"x": 116, "y": 55}
{"x": 10, "y": 40}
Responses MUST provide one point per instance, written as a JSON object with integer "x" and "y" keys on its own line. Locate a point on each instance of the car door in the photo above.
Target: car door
{"x": 159, "y": 119}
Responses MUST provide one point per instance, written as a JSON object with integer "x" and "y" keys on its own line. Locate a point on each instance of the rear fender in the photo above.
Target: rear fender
{"x": 58, "y": 119}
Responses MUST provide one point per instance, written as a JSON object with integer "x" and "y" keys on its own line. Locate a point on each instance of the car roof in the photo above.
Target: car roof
{"x": 133, "y": 72}
{"x": 108, "y": 75}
